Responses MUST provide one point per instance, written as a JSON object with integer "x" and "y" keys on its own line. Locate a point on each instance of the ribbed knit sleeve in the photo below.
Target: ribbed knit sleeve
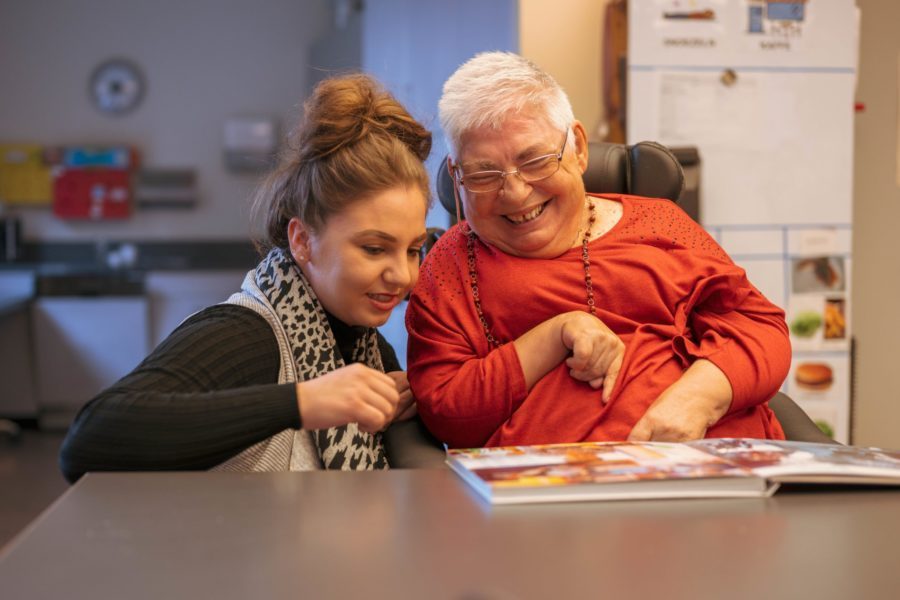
{"x": 206, "y": 393}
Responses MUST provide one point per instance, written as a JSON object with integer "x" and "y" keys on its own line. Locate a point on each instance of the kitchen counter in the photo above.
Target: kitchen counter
{"x": 16, "y": 291}
{"x": 64, "y": 309}
{"x": 18, "y": 399}
{"x": 13, "y": 304}
{"x": 108, "y": 256}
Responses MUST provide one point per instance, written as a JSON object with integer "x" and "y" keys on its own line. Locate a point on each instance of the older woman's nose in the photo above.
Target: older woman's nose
{"x": 514, "y": 186}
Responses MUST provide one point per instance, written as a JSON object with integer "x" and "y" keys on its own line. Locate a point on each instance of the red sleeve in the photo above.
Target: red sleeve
{"x": 464, "y": 391}
{"x": 730, "y": 323}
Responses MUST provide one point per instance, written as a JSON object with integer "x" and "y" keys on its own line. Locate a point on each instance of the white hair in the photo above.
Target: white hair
{"x": 489, "y": 87}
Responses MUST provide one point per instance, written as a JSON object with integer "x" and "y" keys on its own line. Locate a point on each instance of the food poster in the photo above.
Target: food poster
{"x": 818, "y": 312}
{"x": 764, "y": 90}
{"x": 818, "y": 383}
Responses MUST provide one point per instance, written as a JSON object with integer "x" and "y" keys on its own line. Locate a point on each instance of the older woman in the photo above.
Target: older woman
{"x": 553, "y": 315}
{"x": 290, "y": 373}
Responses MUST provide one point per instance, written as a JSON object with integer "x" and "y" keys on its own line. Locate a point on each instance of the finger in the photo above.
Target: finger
{"x": 581, "y": 375}
{"x": 382, "y": 385}
{"x": 403, "y": 386}
{"x": 400, "y": 380}
{"x": 384, "y": 402}
{"x": 594, "y": 372}
{"x": 408, "y": 413}
{"x": 370, "y": 420}
{"x": 596, "y": 360}
{"x": 669, "y": 434}
{"x": 405, "y": 400}
{"x": 612, "y": 375}
{"x": 369, "y": 377}
{"x": 581, "y": 354}
{"x": 596, "y": 383}
{"x": 642, "y": 431}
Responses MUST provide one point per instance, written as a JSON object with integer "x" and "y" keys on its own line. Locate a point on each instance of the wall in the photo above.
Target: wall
{"x": 204, "y": 60}
{"x": 428, "y": 40}
{"x": 564, "y": 37}
{"x": 876, "y": 218}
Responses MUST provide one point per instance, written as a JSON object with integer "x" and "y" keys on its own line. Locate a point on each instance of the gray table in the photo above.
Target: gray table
{"x": 422, "y": 534}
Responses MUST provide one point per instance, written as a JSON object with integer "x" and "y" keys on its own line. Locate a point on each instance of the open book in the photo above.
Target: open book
{"x": 712, "y": 468}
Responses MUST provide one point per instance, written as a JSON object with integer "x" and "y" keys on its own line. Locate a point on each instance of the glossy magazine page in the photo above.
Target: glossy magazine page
{"x": 787, "y": 461}
{"x": 601, "y": 470}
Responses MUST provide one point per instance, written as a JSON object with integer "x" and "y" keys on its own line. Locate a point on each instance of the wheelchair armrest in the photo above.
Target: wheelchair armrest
{"x": 797, "y": 425}
{"x": 409, "y": 445}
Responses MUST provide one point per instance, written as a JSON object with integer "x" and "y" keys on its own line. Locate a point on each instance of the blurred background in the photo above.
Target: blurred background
{"x": 191, "y": 98}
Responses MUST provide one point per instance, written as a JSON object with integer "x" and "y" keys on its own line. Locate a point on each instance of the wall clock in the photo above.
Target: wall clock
{"x": 116, "y": 86}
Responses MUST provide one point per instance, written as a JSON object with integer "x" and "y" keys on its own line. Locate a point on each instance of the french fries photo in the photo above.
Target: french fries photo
{"x": 835, "y": 322}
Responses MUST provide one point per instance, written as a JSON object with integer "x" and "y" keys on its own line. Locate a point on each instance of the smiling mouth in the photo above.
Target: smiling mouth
{"x": 526, "y": 217}
{"x": 385, "y": 301}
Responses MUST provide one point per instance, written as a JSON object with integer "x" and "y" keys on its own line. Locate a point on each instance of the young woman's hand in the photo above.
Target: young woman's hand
{"x": 406, "y": 407}
{"x": 351, "y": 394}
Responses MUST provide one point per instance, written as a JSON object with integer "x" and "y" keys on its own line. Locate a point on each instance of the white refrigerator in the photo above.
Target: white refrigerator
{"x": 765, "y": 90}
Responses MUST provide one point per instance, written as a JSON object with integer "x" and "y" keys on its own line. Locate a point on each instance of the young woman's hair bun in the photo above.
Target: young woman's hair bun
{"x": 355, "y": 139}
{"x": 345, "y": 110}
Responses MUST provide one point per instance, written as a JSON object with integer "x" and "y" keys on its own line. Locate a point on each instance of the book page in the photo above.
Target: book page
{"x": 776, "y": 458}
{"x": 599, "y": 462}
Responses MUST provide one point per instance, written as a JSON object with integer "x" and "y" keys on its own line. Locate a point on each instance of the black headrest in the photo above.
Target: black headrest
{"x": 644, "y": 169}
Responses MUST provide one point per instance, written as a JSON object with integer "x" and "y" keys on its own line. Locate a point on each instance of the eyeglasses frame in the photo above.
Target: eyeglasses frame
{"x": 459, "y": 178}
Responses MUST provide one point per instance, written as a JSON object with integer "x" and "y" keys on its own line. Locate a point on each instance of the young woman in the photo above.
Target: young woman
{"x": 289, "y": 373}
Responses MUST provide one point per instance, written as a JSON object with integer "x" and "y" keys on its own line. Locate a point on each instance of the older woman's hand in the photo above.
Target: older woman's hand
{"x": 688, "y": 407}
{"x": 591, "y": 350}
{"x": 596, "y": 351}
{"x": 406, "y": 407}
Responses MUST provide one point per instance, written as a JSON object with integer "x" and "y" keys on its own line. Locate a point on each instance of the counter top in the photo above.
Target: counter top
{"x": 91, "y": 257}
{"x": 13, "y": 303}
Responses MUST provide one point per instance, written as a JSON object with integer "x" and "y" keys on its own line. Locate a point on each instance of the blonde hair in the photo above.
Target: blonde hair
{"x": 355, "y": 139}
{"x": 492, "y": 85}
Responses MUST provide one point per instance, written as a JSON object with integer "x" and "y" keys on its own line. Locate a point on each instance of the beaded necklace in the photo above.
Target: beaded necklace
{"x": 585, "y": 259}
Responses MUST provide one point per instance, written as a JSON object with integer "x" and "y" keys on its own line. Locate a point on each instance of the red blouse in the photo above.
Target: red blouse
{"x": 661, "y": 283}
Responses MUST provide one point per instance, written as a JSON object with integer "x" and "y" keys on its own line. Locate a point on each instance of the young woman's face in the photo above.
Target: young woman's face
{"x": 365, "y": 259}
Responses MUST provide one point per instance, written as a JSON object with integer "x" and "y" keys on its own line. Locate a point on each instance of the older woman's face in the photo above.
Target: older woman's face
{"x": 538, "y": 219}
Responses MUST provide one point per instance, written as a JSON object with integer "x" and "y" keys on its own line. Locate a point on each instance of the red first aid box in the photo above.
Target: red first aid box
{"x": 92, "y": 194}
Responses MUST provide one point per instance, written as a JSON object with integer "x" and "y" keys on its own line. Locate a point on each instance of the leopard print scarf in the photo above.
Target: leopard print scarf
{"x": 315, "y": 352}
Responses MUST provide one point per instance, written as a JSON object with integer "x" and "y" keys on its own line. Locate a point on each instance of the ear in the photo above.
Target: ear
{"x": 298, "y": 239}
{"x": 580, "y": 145}
{"x": 452, "y": 170}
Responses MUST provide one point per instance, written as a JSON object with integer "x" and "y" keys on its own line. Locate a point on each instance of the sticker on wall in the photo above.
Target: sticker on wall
{"x": 779, "y": 20}
{"x": 835, "y": 327}
{"x": 821, "y": 379}
{"x": 825, "y": 418}
{"x": 814, "y": 376}
{"x": 818, "y": 274}
{"x": 818, "y": 322}
{"x": 693, "y": 11}
{"x": 25, "y": 174}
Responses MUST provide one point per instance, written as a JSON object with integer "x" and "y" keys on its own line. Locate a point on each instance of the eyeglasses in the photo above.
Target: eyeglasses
{"x": 535, "y": 169}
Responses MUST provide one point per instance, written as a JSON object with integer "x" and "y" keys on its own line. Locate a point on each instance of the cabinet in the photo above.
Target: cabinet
{"x": 176, "y": 295}
{"x": 89, "y": 331}
{"x": 83, "y": 345}
{"x": 18, "y": 399}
